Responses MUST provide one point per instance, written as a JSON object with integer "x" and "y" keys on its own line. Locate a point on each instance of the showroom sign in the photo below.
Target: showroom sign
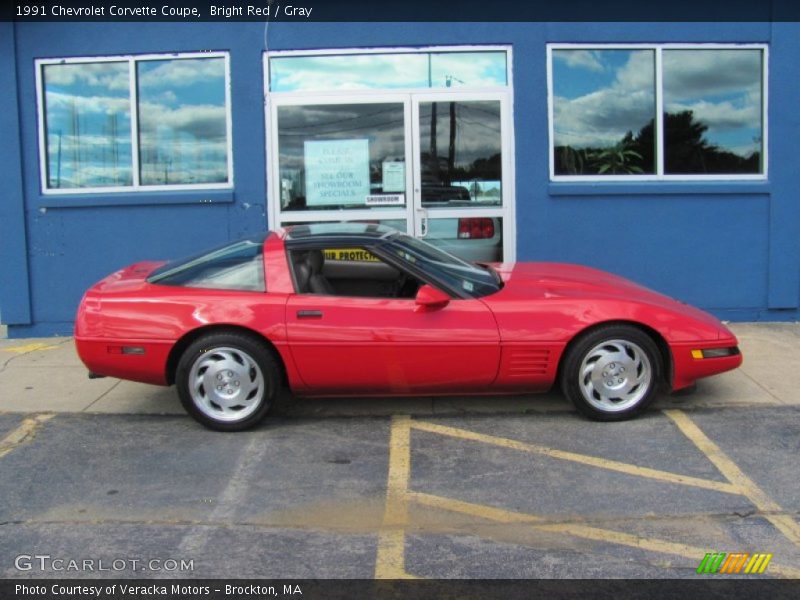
{"x": 337, "y": 172}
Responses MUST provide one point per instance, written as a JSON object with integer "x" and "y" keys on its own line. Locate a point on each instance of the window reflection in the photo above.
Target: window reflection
{"x": 182, "y": 121}
{"x": 603, "y": 111}
{"x": 461, "y": 153}
{"x": 342, "y": 156}
{"x": 713, "y": 107}
{"x": 474, "y": 69}
{"x": 87, "y": 124}
{"x": 388, "y": 71}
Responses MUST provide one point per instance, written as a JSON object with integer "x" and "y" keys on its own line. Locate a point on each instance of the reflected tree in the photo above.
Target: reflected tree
{"x": 687, "y": 151}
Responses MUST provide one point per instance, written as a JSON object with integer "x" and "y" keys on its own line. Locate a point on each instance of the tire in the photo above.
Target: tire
{"x": 227, "y": 380}
{"x": 612, "y": 373}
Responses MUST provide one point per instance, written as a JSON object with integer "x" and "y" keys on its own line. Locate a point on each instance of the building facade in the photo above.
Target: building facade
{"x": 655, "y": 151}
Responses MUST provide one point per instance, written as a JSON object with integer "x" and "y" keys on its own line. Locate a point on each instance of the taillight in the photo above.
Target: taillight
{"x": 475, "y": 228}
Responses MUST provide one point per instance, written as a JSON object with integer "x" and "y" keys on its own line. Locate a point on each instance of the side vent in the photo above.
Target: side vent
{"x": 530, "y": 363}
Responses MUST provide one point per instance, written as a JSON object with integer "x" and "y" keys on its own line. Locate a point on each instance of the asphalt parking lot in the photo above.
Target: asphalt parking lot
{"x": 432, "y": 488}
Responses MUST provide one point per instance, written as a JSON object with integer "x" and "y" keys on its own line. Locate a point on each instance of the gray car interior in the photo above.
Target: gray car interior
{"x": 369, "y": 279}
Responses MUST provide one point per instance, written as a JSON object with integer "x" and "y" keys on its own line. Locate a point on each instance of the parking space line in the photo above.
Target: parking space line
{"x": 483, "y": 511}
{"x": 230, "y": 498}
{"x": 26, "y": 348}
{"x": 746, "y": 486}
{"x": 586, "y": 459}
{"x": 25, "y": 432}
{"x": 390, "y": 558}
{"x": 610, "y": 536}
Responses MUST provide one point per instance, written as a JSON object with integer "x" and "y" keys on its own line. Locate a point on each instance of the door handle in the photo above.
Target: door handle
{"x": 422, "y": 215}
{"x": 309, "y": 314}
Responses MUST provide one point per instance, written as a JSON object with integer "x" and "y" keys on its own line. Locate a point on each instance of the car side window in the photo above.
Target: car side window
{"x": 350, "y": 272}
{"x": 237, "y": 266}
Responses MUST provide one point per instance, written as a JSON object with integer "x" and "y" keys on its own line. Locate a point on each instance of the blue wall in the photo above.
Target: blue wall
{"x": 732, "y": 248}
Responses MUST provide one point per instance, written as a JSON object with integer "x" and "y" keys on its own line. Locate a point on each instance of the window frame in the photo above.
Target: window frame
{"x": 660, "y": 175}
{"x": 136, "y": 186}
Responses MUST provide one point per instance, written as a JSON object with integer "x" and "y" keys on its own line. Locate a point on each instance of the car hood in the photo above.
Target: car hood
{"x": 562, "y": 280}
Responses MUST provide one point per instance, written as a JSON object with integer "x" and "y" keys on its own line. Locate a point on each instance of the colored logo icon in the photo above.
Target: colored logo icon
{"x": 734, "y": 563}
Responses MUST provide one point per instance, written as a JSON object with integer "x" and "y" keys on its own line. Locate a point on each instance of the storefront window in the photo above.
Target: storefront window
{"x": 91, "y": 141}
{"x": 712, "y": 111}
{"x": 88, "y": 115}
{"x": 604, "y": 111}
{"x": 182, "y": 121}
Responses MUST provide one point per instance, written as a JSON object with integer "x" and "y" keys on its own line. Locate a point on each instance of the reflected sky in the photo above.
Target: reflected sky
{"x": 88, "y": 124}
{"x": 182, "y": 121}
{"x": 600, "y": 95}
{"x": 388, "y": 71}
{"x": 723, "y": 89}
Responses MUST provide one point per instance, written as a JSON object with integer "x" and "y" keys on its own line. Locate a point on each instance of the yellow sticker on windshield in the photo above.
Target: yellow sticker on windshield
{"x": 350, "y": 254}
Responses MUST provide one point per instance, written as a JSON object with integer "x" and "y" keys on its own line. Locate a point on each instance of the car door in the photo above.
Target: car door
{"x": 389, "y": 346}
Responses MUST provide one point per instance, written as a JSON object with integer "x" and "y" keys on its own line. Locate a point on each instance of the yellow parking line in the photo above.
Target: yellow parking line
{"x": 23, "y": 433}
{"x": 783, "y": 522}
{"x": 390, "y": 559}
{"x": 490, "y": 513}
{"x": 33, "y": 347}
{"x": 593, "y": 461}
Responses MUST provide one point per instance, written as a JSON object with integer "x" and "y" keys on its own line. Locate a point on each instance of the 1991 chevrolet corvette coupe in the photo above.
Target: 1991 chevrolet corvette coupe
{"x": 360, "y": 309}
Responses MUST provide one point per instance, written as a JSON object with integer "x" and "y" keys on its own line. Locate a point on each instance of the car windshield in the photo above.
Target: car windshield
{"x": 234, "y": 266}
{"x": 468, "y": 279}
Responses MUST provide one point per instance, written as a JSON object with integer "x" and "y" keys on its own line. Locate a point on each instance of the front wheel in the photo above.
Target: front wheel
{"x": 227, "y": 381}
{"x": 612, "y": 373}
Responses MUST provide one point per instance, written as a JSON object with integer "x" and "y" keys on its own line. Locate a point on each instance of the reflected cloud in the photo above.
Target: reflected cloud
{"x": 601, "y": 95}
{"x": 580, "y": 59}
{"x": 200, "y": 121}
{"x": 105, "y": 75}
{"x": 693, "y": 73}
{"x": 180, "y": 73}
{"x": 182, "y": 122}
{"x": 600, "y": 117}
{"x": 59, "y": 103}
{"x": 387, "y": 71}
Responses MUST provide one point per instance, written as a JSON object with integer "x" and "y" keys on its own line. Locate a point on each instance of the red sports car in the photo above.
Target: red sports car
{"x": 360, "y": 309}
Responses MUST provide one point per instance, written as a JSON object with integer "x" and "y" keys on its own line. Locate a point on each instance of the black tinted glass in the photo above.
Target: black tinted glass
{"x": 236, "y": 266}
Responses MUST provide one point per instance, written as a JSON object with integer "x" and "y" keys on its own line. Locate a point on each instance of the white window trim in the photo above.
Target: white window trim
{"x": 136, "y": 186}
{"x": 658, "y": 123}
{"x": 274, "y": 99}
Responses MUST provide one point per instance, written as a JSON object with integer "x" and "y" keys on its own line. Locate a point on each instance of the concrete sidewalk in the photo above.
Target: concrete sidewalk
{"x": 45, "y": 375}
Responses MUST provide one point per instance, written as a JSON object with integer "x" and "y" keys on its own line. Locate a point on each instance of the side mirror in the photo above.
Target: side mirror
{"x": 429, "y": 298}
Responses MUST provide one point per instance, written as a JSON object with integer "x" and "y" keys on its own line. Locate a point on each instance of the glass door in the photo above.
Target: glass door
{"x": 341, "y": 159}
{"x": 436, "y": 165}
{"x": 462, "y": 194}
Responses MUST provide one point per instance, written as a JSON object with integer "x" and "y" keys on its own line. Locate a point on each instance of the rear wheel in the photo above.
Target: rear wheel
{"x": 227, "y": 380}
{"x": 612, "y": 373}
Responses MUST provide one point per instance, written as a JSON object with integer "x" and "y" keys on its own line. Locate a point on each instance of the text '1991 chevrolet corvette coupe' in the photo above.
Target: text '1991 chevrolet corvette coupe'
{"x": 360, "y": 309}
